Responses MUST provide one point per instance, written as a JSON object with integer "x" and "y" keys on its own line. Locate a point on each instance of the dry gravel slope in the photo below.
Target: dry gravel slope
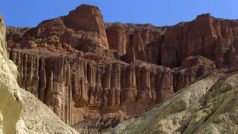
{"x": 21, "y": 112}
{"x": 209, "y": 106}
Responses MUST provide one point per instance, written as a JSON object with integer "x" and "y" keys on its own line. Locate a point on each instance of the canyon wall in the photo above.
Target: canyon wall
{"x": 206, "y": 106}
{"x": 20, "y": 111}
{"x": 206, "y": 36}
{"x": 75, "y": 88}
{"x": 84, "y": 69}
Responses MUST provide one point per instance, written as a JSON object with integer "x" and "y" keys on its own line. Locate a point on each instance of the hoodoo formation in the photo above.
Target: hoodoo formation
{"x": 94, "y": 75}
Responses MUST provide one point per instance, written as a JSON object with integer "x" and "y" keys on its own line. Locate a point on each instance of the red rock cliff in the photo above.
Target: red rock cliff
{"x": 85, "y": 69}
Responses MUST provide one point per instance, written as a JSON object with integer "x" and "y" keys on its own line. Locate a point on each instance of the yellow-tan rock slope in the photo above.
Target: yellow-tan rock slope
{"x": 208, "y": 106}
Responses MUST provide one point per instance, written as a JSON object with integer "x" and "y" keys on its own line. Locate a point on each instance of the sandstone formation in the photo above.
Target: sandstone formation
{"x": 82, "y": 29}
{"x": 206, "y": 36}
{"x": 20, "y": 111}
{"x": 75, "y": 88}
{"x": 122, "y": 37}
{"x": 89, "y": 20}
{"x": 207, "y": 106}
{"x": 90, "y": 71}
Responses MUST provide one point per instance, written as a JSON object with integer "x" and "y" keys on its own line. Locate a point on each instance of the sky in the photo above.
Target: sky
{"x": 29, "y": 13}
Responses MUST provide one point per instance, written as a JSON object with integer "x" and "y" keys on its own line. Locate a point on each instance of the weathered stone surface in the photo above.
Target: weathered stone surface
{"x": 68, "y": 84}
{"x": 199, "y": 37}
{"x": 185, "y": 76}
{"x": 83, "y": 29}
{"x": 192, "y": 68}
{"x": 117, "y": 38}
{"x": 197, "y": 60}
{"x": 206, "y": 106}
{"x": 89, "y": 19}
{"x": 206, "y": 36}
{"x": 10, "y": 102}
{"x": 100, "y": 125}
{"x": 124, "y": 37}
{"x": 84, "y": 69}
{"x": 20, "y": 111}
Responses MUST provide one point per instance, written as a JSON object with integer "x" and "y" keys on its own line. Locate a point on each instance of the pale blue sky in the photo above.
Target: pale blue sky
{"x": 157, "y": 12}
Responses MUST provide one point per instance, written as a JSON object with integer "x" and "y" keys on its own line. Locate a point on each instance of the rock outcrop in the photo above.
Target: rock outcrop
{"x": 84, "y": 69}
{"x": 206, "y": 106}
{"x": 123, "y": 37}
{"x": 20, "y": 111}
{"x": 207, "y": 36}
{"x": 83, "y": 29}
{"x": 99, "y": 125}
{"x": 76, "y": 88}
{"x": 89, "y": 19}
{"x": 199, "y": 37}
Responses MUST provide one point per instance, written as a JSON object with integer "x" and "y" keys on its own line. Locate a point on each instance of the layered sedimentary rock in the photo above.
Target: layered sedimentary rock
{"x": 76, "y": 88}
{"x": 199, "y": 37}
{"x": 206, "y": 106}
{"x": 82, "y": 29}
{"x": 20, "y": 111}
{"x": 83, "y": 68}
{"x": 89, "y": 19}
{"x": 192, "y": 68}
{"x": 70, "y": 84}
{"x": 123, "y": 37}
{"x": 207, "y": 36}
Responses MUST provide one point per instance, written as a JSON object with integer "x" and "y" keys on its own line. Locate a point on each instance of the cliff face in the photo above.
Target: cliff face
{"x": 82, "y": 26}
{"x": 89, "y": 19}
{"x": 84, "y": 69}
{"x": 75, "y": 88}
{"x": 206, "y": 106}
{"x": 21, "y": 112}
{"x": 207, "y": 36}
{"x": 10, "y": 105}
{"x": 123, "y": 37}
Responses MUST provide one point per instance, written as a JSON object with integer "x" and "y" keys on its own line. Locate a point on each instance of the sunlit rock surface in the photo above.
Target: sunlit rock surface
{"x": 206, "y": 106}
{"x": 90, "y": 71}
{"x": 20, "y": 111}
